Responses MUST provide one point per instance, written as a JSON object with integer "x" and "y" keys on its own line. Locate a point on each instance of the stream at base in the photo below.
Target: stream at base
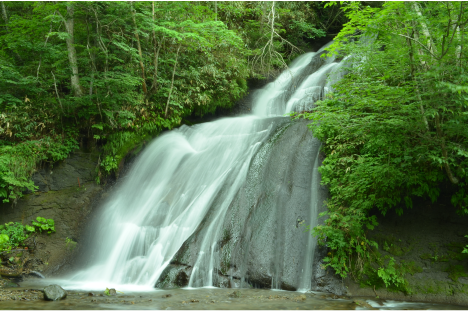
{"x": 205, "y": 299}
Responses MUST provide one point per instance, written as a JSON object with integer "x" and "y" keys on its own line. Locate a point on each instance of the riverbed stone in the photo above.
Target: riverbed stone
{"x": 54, "y": 292}
{"x": 174, "y": 276}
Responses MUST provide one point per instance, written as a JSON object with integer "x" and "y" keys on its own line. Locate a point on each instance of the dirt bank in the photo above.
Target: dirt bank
{"x": 67, "y": 192}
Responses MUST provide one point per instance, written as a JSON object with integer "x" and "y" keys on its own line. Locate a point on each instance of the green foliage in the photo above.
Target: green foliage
{"x": 13, "y": 234}
{"x": 383, "y": 271}
{"x": 18, "y": 162}
{"x": 456, "y": 271}
{"x": 142, "y": 68}
{"x": 395, "y": 126}
{"x": 43, "y": 224}
{"x": 16, "y": 234}
{"x": 465, "y": 249}
{"x": 294, "y": 23}
{"x": 394, "y": 246}
{"x": 390, "y": 276}
{"x": 4, "y": 239}
{"x": 70, "y": 244}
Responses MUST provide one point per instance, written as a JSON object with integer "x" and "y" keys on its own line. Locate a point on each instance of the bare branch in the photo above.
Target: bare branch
{"x": 40, "y": 57}
{"x": 172, "y": 82}
{"x": 267, "y": 53}
{"x": 56, "y": 91}
{"x": 430, "y": 52}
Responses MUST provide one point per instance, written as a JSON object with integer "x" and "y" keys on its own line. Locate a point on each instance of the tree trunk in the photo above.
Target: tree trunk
{"x": 418, "y": 93}
{"x": 4, "y": 15}
{"x": 157, "y": 47}
{"x": 272, "y": 33}
{"x": 456, "y": 29}
{"x": 425, "y": 29}
{"x": 139, "y": 50}
{"x": 103, "y": 47}
{"x": 75, "y": 79}
{"x": 5, "y": 19}
{"x": 454, "y": 180}
{"x": 56, "y": 92}
{"x": 40, "y": 57}
{"x": 172, "y": 81}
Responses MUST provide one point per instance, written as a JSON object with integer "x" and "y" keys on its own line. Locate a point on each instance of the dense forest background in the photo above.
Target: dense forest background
{"x": 111, "y": 75}
{"x": 114, "y": 74}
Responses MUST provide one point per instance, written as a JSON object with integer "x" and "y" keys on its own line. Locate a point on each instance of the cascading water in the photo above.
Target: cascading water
{"x": 186, "y": 180}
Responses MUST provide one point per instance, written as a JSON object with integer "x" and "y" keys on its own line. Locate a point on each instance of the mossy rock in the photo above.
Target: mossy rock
{"x": 456, "y": 271}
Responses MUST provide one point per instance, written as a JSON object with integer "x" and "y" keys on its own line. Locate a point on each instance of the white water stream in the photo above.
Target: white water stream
{"x": 171, "y": 187}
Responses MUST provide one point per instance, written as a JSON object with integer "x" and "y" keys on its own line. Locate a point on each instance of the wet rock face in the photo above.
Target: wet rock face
{"x": 54, "y": 292}
{"x": 262, "y": 241}
{"x": 78, "y": 169}
{"x": 269, "y": 243}
{"x": 174, "y": 276}
{"x": 61, "y": 198}
{"x": 325, "y": 280}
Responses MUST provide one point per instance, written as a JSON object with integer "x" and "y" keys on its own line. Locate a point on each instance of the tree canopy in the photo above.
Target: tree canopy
{"x": 396, "y": 126}
{"x": 114, "y": 74}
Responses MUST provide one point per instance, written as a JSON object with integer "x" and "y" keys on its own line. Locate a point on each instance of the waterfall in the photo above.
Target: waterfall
{"x": 188, "y": 178}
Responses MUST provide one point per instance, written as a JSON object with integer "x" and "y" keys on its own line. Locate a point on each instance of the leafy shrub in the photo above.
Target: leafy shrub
{"x": 465, "y": 249}
{"x": 70, "y": 244}
{"x": 19, "y": 162}
{"x": 13, "y": 234}
{"x": 390, "y": 276}
{"x": 393, "y": 129}
{"x": 4, "y": 239}
{"x": 43, "y": 224}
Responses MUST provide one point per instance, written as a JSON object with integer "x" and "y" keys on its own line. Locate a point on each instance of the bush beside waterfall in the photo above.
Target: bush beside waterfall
{"x": 395, "y": 128}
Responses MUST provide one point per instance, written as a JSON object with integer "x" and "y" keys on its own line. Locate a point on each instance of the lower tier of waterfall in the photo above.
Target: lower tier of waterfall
{"x": 260, "y": 239}
{"x": 223, "y": 203}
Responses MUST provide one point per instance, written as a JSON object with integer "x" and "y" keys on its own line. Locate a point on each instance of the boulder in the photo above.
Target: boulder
{"x": 54, "y": 292}
{"x": 261, "y": 241}
{"x": 174, "y": 276}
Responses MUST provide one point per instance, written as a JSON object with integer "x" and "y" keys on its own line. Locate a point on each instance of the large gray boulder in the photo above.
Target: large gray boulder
{"x": 262, "y": 240}
{"x": 54, "y": 292}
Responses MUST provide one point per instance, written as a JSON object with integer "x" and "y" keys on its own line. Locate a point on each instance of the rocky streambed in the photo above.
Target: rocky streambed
{"x": 199, "y": 299}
